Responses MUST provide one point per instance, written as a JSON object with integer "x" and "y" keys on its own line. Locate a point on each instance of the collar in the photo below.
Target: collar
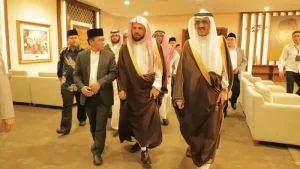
{"x": 93, "y": 52}
{"x": 232, "y": 48}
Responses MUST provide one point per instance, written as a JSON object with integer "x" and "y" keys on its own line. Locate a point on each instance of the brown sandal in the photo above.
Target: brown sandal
{"x": 188, "y": 152}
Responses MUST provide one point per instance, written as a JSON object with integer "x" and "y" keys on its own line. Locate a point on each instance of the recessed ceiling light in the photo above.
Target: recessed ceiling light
{"x": 126, "y": 2}
{"x": 267, "y": 8}
{"x": 146, "y": 13}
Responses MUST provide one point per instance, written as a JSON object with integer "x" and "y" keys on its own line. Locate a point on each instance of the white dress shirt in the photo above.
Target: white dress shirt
{"x": 142, "y": 58}
{"x": 233, "y": 57}
{"x": 288, "y": 58}
{"x": 94, "y": 61}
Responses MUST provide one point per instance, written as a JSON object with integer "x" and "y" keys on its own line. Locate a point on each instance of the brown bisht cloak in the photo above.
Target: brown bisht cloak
{"x": 200, "y": 119}
{"x": 139, "y": 113}
{"x": 109, "y": 47}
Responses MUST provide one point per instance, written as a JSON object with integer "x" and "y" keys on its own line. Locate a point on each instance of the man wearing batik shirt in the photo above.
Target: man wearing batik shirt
{"x": 66, "y": 65}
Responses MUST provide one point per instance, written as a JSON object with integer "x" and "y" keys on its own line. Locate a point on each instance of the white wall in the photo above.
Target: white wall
{"x": 172, "y": 25}
{"x": 38, "y": 11}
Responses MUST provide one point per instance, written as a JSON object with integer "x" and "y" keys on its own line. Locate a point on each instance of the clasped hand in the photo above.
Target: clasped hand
{"x": 91, "y": 90}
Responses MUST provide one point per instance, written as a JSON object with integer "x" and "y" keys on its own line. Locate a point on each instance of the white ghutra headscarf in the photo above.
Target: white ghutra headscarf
{"x": 208, "y": 46}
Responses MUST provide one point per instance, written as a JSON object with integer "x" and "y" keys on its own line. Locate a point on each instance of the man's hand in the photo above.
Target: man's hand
{"x": 281, "y": 74}
{"x": 223, "y": 96}
{"x": 179, "y": 104}
{"x": 95, "y": 87}
{"x": 236, "y": 71}
{"x": 8, "y": 124}
{"x": 154, "y": 93}
{"x": 87, "y": 91}
{"x": 122, "y": 95}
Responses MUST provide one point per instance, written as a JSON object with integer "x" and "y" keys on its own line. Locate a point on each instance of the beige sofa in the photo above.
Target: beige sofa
{"x": 45, "y": 89}
{"x": 248, "y": 80}
{"x": 20, "y": 87}
{"x": 274, "y": 116}
{"x": 42, "y": 90}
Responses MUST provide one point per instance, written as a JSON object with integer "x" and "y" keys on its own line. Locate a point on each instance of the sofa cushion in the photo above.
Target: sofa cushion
{"x": 47, "y": 74}
{"x": 253, "y": 80}
{"x": 18, "y": 73}
{"x": 247, "y": 82}
{"x": 264, "y": 91}
{"x": 247, "y": 75}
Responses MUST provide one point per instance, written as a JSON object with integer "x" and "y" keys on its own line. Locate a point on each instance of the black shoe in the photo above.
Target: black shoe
{"x": 135, "y": 148}
{"x": 233, "y": 105}
{"x": 145, "y": 157}
{"x": 62, "y": 131}
{"x": 82, "y": 123}
{"x": 165, "y": 122}
{"x": 98, "y": 160}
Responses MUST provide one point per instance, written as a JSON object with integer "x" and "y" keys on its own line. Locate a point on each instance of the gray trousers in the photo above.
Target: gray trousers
{"x": 98, "y": 114}
{"x": 66, "y": 120}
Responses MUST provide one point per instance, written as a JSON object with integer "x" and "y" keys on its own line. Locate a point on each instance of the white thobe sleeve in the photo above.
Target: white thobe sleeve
{"x": 158, "y": 77}
{"x": 176, "y": 61}
{"x": 224, "y": 82}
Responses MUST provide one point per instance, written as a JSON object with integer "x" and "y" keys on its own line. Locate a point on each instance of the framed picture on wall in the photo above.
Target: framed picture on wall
{"x": 82, "y": 28}
{"x": 34, "y": 42}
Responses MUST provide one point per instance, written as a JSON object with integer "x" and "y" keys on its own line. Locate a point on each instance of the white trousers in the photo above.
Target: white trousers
{"x": 115, "y": 108}
{"x": 166, "y": 102}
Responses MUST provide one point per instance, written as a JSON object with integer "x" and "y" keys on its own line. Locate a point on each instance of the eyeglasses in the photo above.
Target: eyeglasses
{"x": 102, "y": 40}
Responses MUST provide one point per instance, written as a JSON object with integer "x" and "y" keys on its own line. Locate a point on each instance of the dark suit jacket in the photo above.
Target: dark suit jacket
{"x": 107, "y": 73}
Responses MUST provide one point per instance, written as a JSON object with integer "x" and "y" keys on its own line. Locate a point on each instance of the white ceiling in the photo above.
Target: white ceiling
{"x": 182, "y": 7}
